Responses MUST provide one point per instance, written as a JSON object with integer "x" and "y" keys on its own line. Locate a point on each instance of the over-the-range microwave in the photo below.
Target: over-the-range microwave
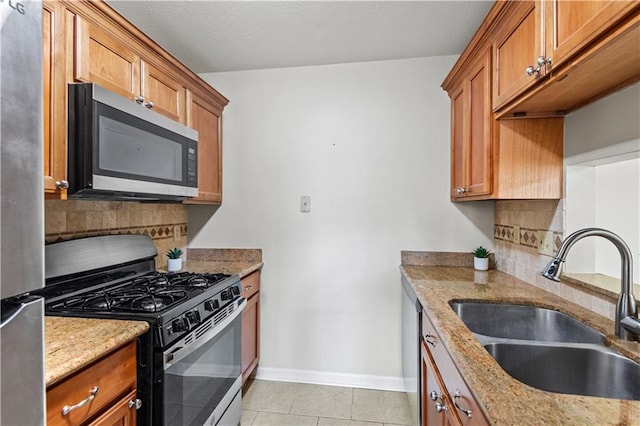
{"x": 120, "y": 150}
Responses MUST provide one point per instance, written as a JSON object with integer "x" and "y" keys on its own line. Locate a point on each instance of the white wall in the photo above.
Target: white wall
{"x": 369, "y": 142}
{"x": 602, "y": 155}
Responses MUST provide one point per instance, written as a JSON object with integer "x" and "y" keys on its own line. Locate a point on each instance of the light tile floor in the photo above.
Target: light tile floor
{"x": 299, "y": 404}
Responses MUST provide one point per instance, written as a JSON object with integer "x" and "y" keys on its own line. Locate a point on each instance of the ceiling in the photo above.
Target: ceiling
{"x": 215, "y": 36}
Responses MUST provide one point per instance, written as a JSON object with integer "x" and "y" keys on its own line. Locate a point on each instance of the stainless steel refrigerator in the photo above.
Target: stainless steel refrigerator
{"x": 22, "y": 387}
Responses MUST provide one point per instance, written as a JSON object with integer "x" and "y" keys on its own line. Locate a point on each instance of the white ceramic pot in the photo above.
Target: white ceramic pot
{"x": 174, "y": 265}
{"x": 481, "y": 263}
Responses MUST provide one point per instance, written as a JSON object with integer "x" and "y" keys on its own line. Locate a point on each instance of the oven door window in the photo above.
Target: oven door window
{"x": 197, "y": 383}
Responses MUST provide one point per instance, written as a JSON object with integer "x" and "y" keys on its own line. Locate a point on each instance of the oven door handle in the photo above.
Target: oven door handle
{"x": 181, "y": 349}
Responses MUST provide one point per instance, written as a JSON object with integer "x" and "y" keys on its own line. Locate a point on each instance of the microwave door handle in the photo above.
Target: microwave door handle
{"x": 173, "y": 356}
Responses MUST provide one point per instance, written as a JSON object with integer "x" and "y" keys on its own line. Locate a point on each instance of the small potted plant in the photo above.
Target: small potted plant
{"x": 481, "y": 258}
{"x": 175, "y": 260}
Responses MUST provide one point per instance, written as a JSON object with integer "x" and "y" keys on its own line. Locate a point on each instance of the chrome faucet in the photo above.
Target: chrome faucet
{"x": 627, "y": 322}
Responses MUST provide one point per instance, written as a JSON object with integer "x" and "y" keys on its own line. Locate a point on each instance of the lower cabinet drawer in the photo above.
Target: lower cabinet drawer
{"x": 97, "y": 387}
{"x": 250, "y": 284}
{"x": 465, "y": 405}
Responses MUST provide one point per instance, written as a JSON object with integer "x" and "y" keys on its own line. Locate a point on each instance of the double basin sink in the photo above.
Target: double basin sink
{"x": 551, "y": 351}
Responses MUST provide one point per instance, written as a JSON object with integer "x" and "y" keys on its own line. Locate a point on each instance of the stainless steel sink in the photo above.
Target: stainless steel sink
{"x": 524, "y": 323}
{"x": 591, "y": 371}
{"x": 549, "y": 350}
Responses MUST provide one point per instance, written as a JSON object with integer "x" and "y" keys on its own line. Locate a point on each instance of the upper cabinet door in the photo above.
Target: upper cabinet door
{"x": 103, "y": 59}
{"x": 54, "y": 103}
{"x": 206, "y": 118}
{"x": 516, "y": 48}
{"x": 166, "y": 95}
{"x": 572, "y": 25}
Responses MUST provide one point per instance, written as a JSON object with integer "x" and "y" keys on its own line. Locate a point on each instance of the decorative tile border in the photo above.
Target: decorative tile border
{"x": 156, "y": 232}
{"x": 528, "y": 237}
{"x": 503, "y": 232}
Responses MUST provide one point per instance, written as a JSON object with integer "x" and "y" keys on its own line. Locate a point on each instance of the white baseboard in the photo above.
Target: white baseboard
{"x": 388, "y": 383}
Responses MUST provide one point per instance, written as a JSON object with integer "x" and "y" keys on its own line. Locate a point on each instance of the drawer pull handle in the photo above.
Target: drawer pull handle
{"x": 430, "y": 339}
{"x": 457, "y": 396}
{"x": 68, "y": 408}
{"x": 249, "y": 287}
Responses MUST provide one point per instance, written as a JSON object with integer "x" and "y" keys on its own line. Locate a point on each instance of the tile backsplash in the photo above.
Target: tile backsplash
{"x": 165, "y": 223}
{"x": 517, "y": 235}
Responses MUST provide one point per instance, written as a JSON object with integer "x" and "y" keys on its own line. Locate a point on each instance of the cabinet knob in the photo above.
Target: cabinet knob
{"x": 434, "y": 395}
{"x": 532, "y": 71}
{"x": 440, "y": 407}
{"x": 139, "y": 99}
{"x": 461, "y": 191}
{"x": 135, "y": 403}
{"x": 541, "y": 62}
{"x": 148, "y": 104}
{"x": 62, "y": 184}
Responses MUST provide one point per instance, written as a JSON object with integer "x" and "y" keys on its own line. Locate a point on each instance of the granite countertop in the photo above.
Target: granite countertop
{"x": 203, "y": 266}
{"x": 73, "y": 343}
{"x": 506, "y": 400}
{"x": 226, "y": 261}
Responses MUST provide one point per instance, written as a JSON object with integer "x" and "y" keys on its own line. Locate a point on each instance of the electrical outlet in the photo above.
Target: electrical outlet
{"x": 516, "y": 234}
{"x": 305, "y": 204}
{"x": 545, "y": 239}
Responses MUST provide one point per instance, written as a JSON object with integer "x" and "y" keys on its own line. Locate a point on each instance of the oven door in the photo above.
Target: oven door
{"x": 203, "y": 372}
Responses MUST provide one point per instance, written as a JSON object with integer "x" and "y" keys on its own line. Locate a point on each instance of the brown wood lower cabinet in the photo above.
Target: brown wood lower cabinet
{"x": 446, "y": 398}
{"x": 250, "y": 324}
{"x": 103, "y": 393}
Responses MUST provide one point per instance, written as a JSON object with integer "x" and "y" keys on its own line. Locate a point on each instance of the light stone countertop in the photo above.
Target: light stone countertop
{"x": 506, "y": 400}
{"x": 204, "y": 266}
{"x": 73, "y": 343}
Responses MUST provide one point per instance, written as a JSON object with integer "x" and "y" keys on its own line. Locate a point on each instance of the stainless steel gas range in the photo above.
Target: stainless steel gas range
{"x": 189, "y": 364}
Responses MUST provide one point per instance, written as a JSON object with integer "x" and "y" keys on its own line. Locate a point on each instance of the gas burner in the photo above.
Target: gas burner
{"x": 149, "y": 304}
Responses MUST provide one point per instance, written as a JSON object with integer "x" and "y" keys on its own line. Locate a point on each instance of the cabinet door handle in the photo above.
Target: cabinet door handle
{"x": 139, "y": 99}
{"x": 435, "y": 395}
{"x": 68, "y": 408}
{"x": 137, "y": 403}
{"x": 457, "y": 396}
{"x": 62, "y": 184}
{"x": 248, "y": 288}
{"x": 440, "y": 407}
{"x": 430, "y": 339}
{"x": 148, "y": 104}
{"x": 461, "y": 190}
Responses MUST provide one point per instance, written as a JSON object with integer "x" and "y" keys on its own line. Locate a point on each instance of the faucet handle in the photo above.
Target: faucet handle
{"x": 552, "y": 270}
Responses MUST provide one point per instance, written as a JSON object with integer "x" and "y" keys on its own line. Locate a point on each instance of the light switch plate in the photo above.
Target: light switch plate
{"x": 305, "y": 204}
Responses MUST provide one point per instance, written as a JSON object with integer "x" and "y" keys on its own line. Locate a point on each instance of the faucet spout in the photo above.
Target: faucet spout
{"x": 627, "y": 323}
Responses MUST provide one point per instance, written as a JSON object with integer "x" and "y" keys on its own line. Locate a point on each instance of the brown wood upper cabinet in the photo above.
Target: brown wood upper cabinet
{"x": 538, "y": 37}
{"x": 88, "y": 41}
{"x": 206, "y": 117}
{"x": 102, "y": 58}
{"x": 471, "y": 169}
{"x": 54, "y": 140}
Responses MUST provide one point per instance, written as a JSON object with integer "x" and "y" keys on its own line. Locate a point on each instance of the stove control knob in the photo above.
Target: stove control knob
{"x": 193, "y": 317}
{"x": 211, "y": 305}
{"x": 179, "y": 325}
{"x": 235, "y": 290}
{"x": 226, "y": 295}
